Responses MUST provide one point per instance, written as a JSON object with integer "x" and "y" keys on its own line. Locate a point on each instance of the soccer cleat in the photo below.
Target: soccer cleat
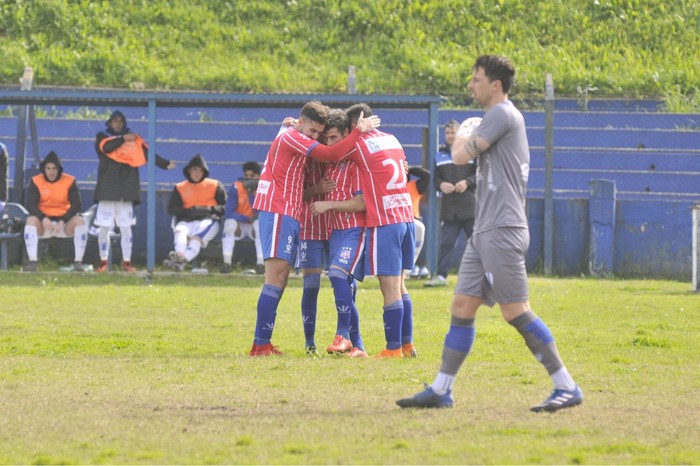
{"x": 409, "y": 351}
{"x": 225, "y": 268}
{"x": 439, "y": 280}
{"x": 265, "y": 350}
{"x": 175, "y": 262}
{"x": 390, "y": 353}
{"x": 311, "y": 350}
{"x": 415, "y": 273}
{"x": 560, "y": 399}
{"x": 357, "y": 353}
{"x": 127, "y": 267}
{"x": 427, "y": 399}
{"x": 340, "y": 345}
{"x": 104, "y": 267}
{"x": 424, "y": 272}
{"x": 248, "y": 272}
{"x": 32, "y": 266}
{"x": 78, "y": 267}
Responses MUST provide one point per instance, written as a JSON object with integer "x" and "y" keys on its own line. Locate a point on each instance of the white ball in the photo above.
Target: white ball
{"x": 467, "y": 126}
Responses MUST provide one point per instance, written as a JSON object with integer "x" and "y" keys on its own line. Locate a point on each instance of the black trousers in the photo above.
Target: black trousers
{"x": 449, "y": 234}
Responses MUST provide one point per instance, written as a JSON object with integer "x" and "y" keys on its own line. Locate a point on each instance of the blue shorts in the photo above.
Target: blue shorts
{"x": 390, "y": 249}
{"x": 279, "y": 235}
{"x": 313, "y": 254}
{"x": 348, "y": 251}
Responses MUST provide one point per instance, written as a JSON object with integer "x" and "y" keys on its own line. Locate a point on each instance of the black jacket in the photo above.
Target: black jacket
{"x": 118, "y": 181}
{"x": 455, "y": 206}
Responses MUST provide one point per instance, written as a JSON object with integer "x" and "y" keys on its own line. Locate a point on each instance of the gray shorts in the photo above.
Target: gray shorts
{"x": 493, "y": 266}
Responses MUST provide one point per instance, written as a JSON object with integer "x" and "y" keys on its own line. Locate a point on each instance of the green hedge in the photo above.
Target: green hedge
{"x": 624, "y": 48}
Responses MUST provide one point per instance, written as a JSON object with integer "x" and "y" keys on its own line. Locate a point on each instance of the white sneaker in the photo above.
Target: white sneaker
{"x": 415, "y": 272}
{"x": 439, "y": 280}
{"x": 424, "y": 272}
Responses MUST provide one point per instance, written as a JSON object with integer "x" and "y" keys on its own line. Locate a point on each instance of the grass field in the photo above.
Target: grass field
{"x": 124, "y": 369}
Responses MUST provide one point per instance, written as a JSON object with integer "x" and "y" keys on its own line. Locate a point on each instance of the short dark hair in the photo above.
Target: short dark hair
{"x": 452, "y": 124}
{"x": 497, "y": 68}
{"x": 252, "y": 166}
{"x": 337, "y": 118}
{"x": 315, "y": 111}
{"x": 354, "y": 111}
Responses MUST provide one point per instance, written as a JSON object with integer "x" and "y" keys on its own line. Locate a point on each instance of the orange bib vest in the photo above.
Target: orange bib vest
{"x": 198, "y": 194}
{"x": 53, "y": 197}
{"x": 412, "y": 187}
{"x": 130, "y": 153}
{"x": 244, "y": 207}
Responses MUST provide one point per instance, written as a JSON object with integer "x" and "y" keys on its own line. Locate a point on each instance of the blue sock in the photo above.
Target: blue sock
{"x": 309, "y": 305}
{"x": 267, "y": 313}
{"x": 407, "y": 323}
{"x": 343, "y": 300}
{"x": 354, "y": 332}
{"x": 353, "y": 286}
{"x": 393, "y": 315}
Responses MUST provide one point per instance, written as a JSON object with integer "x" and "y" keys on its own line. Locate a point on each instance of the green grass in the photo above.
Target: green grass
{"x": 622, "y": 48}
{"x": 121, "y": 369}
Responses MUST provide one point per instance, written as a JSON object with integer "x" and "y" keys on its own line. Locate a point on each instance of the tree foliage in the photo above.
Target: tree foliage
{"x": 626, "y": 48}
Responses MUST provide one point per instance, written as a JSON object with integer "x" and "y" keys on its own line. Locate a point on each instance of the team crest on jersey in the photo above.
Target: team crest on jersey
{"x": 380, "y": 143}
{"x": 345, "y": 253}
{"x": 263, "y": 187}
{"x": 395, "y": 201}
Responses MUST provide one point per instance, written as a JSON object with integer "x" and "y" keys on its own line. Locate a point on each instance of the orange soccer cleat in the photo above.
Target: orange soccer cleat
{"x": 265, "y": 350}
{"x": 409, "y": 351}
{"x": 340, "y": 345}
{"x": 390, "y": 353}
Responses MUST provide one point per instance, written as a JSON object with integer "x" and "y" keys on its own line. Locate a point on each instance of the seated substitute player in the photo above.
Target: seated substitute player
{"x": 345, "y": 207}
{"x": 241, "y": 221}
{"x": 278, "y": 202}
{"x": 196, "y": 204}
{"x": 493, "y": 265}
{"x": 390, "y": 227}
{"x": 53, "y": 202}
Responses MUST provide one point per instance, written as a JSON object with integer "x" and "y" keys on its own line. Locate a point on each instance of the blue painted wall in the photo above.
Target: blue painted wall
{"x": 654, "y": 160}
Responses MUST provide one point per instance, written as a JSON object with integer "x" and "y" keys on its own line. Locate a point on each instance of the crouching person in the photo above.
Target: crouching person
{"x": 196, "y": 204}
{"x": 53, "y": 202}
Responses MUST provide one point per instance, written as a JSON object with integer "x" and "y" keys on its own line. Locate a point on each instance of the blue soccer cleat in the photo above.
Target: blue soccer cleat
{"x": 560, "y": 399}
{"x": 427, "y": 399}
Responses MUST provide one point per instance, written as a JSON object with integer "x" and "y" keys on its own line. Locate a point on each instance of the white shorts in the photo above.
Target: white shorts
{"x": 206, "y": 230}
{"x": 245, "y": 230}
{"x": 61, "y": 233}
{"x": 119, "y": 213}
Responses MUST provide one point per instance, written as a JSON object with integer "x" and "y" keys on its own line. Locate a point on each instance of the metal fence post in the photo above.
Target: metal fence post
{"x": 549, "y": 164}
{"x": 696, "y": 246}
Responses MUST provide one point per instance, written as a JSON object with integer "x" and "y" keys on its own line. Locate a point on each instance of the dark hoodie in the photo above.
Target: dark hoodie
{"x": 176, "y": 204}
{"x": 33, "y": 195}
{"x": 118, "y": 181}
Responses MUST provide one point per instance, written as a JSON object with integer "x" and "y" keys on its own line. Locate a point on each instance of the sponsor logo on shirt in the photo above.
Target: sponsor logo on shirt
{"x": 382, "y": 143}
{"x": 263, "y": 187}
{"x": 395, "y": 201}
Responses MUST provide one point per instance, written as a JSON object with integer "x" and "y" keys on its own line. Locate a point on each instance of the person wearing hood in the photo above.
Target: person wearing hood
{"x": 120, "y": 152}
{"x": 54, "y": 205}
{"x": 197, "y": 204}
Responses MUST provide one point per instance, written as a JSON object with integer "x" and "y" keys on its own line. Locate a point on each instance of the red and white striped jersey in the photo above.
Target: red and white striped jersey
{"x": 346, "y": 174}
{"x": 380, "y": 159}
{"x": 281, "y": 186}
{"x": 314, "y": 227}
